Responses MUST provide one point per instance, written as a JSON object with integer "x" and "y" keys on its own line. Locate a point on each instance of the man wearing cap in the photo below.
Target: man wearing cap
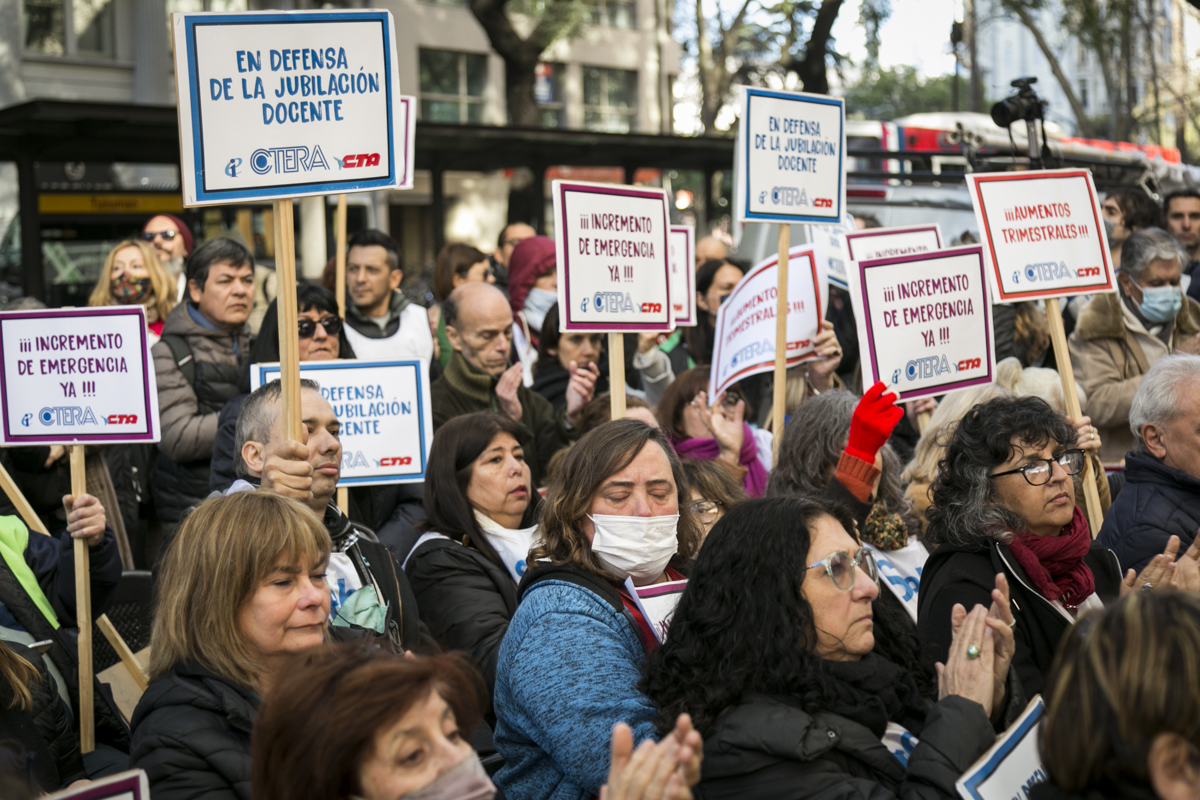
{"x": 172, "y": 240}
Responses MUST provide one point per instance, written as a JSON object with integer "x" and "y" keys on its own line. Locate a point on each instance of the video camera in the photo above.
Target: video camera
{"x": 1024, "y": 105}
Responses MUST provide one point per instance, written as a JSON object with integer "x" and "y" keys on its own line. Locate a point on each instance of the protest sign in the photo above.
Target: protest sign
{"x": 657, "y": 602}
{"x": 683, "y": 275}
{"x": 788, "y": 164}
{"x": 69, "y": 376}
{"x": 288, "y": 104}
{"x": 833, "y": 241}
{"x": 924, "y": 321}
{"x": 613, "y": 250}
{"x": 383, "y": 408}
{"x": 1012, "y": 765}
{"x": 1043, "y": 234}
{"x": 889, "y": 242}
{"x": 746, "y": 321}
{"x": 132, "y": 785}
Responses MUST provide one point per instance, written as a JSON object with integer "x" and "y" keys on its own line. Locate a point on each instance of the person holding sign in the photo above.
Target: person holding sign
{"x": 570, "y": 663}
{"x": 794, "y": 676}
{"x": 1120, "y": 336}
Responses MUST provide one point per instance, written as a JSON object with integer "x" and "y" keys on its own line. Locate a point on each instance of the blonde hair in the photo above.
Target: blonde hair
{"x": 1035, "y": 382}
{"x": 943, "y": 420}
{"x": 161, "y": 283}
{"x": 220, "y": 554}
{"x": 18, "y": 674}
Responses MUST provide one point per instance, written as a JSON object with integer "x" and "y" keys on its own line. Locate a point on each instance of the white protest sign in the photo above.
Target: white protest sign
{"x": 788, "y": 159}
{"x": 833, "y": 240}
{"x": 683, "y": 275}
{"x": 383, "y": 409}
{"x": 745, "y": 332}
{"x": 80, "y": 375}
{"x": 1012, "y": 765}
{"x": 1043, "y": 234}
{"x": 612, "y": 245}
{"x": 889, "y": 242}
{"x": 657, "y": 603}
{"x": 131, "y": 785}
{"x": 288, "y": 104}
{"x": 924, "y": 321}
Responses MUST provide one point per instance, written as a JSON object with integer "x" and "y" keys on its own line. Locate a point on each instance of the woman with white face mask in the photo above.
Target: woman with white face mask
{"x": 480, "y": 505}
{"x": 576, "y": 648}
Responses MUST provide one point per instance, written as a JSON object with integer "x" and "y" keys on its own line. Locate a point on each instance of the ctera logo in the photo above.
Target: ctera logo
{"x": 932, "y": 366}
{"x": 789, "y": 196}
{"x": 619, "y": 303}
{"x": 287, "y": 159}
{"x": 1046, "y": 271}
{"x": 232, "y": 167}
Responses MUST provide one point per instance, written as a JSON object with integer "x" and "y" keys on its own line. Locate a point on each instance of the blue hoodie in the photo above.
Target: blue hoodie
{"x": 568, "y": 671}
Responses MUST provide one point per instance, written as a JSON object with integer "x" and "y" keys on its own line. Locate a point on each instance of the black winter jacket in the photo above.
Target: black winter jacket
{"x": 191, "y": 733}
{"x": 466, "y": 600}
{"x": 1156, "y": 503}
{"x": 967, "y": 575}
{"x": 45, "y": 730}
{"x": 768, "y": 748}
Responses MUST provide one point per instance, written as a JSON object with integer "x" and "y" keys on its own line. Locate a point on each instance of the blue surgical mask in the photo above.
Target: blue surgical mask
{"x": 537, "y": 303}
{"x": 1160, "y": 303}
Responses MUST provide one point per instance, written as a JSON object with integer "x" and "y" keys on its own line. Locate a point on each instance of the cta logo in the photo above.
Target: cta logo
{"x": 395, "y": 461}
{"x": 287, "y": 159}
{"x": 360, "y": 160}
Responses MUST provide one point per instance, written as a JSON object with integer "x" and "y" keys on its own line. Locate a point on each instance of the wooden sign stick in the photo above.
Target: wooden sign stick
{"x": 122, "y": 650}
{"x": 779, "y": 398}
{"x": 18, "y": 499}
{"x": 289, "y": 334}
{"x": 1058, "y": 335}
{"x": 339, "y": 259}
{"x": 83, "y": 614}
{"x": 616, "y": 374}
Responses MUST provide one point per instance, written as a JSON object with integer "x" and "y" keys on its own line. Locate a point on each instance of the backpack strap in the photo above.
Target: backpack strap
{"x": 181, "y": 352}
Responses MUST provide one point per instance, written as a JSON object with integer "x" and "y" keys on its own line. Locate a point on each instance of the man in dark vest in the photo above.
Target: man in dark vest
{"x": 205, "y": 342}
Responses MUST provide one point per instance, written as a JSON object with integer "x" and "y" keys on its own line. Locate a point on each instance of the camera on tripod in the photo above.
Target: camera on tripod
{"x": 1024, "y": 105}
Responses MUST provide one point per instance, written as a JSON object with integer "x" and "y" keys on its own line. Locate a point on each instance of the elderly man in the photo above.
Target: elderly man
{"x": 1161, "y": 497}
{"x": 1120, "y": 336}
{"x": 479, "y": 378}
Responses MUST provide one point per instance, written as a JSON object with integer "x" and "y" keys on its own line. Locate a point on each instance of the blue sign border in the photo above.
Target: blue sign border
{"x": 203, "y": 195}
{"x": 748, "y": 216}
{"x": 262, "y": 370}
{"x": 1033, "y": 716}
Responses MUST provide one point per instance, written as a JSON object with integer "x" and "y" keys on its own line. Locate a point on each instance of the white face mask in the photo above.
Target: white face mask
{"x": 537, "y": 303}
{"x": 635, "y": 547}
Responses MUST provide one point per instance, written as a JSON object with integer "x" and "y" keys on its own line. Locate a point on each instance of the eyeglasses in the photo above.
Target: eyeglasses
{"x": 1038, "y": 471}
{"x": 707, "y": 510}
{"x": 167, "y": 236}
{"x": 332, "y": 326}
{"x": 840, "y": 567}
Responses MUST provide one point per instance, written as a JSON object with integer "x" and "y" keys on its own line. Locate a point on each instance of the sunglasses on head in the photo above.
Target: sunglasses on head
{"x": 332, "y": 326}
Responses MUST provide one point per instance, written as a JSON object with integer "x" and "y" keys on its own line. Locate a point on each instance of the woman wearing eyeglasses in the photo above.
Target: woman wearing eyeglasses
{"x": 789, "y": 670}
{"x": 714, "y": 492}
{"x": 1003, "y": 502}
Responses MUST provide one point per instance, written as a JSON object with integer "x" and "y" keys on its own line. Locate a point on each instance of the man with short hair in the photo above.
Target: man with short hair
{"x": 381, "y": 323}
{"x": 1129, "y": 209}
{"x": 1161, "y": 496}
{"x": 479, "y": 378}
{"x": 513, "y": 234}
{"x": 370, "y": 595}
{"x": 710, "y": 248}
{"x": 198, "y": 364}
{"x": 1120, "y": 336}
{"x": 172, "y": 240}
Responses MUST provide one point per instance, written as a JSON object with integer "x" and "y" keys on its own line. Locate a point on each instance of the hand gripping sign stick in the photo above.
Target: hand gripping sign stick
{"x": 779, "y": 398}
{"x": 343, "y": 494}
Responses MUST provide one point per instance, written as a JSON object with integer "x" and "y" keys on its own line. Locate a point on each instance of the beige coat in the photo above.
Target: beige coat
{"x": 1110, "y": 352}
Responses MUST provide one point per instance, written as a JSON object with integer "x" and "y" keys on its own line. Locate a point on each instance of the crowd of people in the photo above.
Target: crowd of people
{"x": 862, "y": 617}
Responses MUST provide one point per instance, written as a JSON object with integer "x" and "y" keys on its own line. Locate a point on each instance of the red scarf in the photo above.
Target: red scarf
{"x": 1055, "y": 563}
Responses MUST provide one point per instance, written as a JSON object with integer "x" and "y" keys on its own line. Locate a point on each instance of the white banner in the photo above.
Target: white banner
{"x": 891, "y": 242}
{"x": 289, "y": 104}
{"x": 383, "y": 408}
{"x": 1043, "y": 234}
{"x": 1012, "y": 765}
{"x": 745, "y": 334}
{"x": 77, "y": 375}
{"x": 683, "y": 275}
{"x": 924, "y": 322}
{"x": 788, "y": 159}
{"x": 832, "y": 239}
{"x": 613, "y": 251}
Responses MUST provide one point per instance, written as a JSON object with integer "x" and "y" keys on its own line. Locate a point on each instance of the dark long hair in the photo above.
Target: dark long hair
{"x": 451, "y": 461}
{"x": 964, "y": 508}
{"x": 743, "y": 625}
{"x": 265, "y": 349}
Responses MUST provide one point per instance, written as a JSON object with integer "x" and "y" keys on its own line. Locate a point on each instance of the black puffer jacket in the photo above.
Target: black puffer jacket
{"x": 45, "y": 730}
{"x": 769, "y": 748}
{"x": 191, "y": 733}
{"x": 465, "y": 599}
{"x": 1156, "y": 503}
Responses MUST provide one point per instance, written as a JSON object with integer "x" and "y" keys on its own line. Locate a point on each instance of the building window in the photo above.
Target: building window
{"x": 452, "y": 86}
{"x": 69, "y": 28}
{"x": 609, "y": 100}
{"x": 548, "y": 91}
{"x": 613, "y": 14}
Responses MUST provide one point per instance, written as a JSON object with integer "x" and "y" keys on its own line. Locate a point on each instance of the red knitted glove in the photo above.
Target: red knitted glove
{"x": 874, "y": 418}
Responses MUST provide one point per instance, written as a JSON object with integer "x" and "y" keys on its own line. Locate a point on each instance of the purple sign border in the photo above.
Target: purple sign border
{"x": 147, "y": 379}
{"x": 132, "y": 782}
{"x": 894, "y": 231}
{"x": 565, "y": 321}
{"x": 940, "y": 388}
{"x": 690, "y": 231}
